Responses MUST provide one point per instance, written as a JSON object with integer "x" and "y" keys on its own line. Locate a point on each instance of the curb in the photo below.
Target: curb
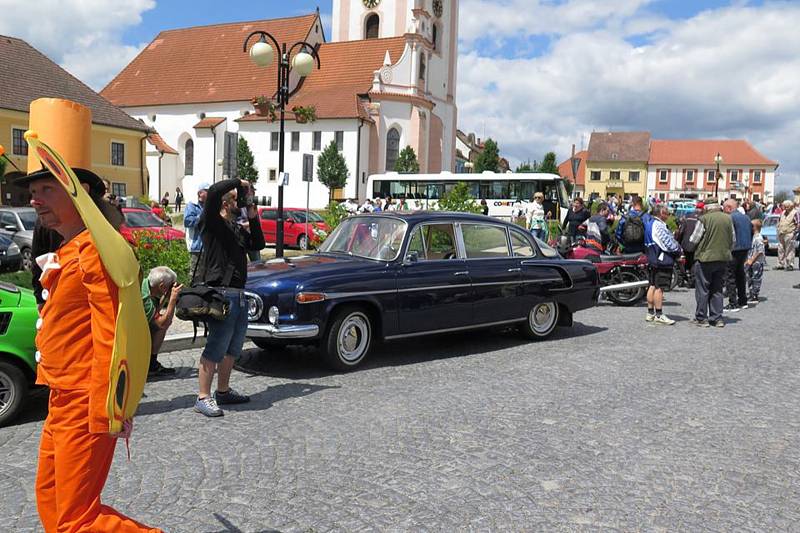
{"x": 183, "y": 341}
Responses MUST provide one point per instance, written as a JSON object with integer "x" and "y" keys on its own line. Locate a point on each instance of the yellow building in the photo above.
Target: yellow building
{"x": 617, "y": 164}
{"x": 118, "y": 140}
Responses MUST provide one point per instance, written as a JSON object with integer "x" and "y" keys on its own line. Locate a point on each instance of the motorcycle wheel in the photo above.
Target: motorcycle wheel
{"x": 676, "y": 278}
{"x": 627, "y": 297}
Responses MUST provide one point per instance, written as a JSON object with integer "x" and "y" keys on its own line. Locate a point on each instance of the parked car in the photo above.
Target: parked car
{"x": 681, "y": 208}
{"x": 18, "y": 316}
{"x": 399, "y": 275}
{"x": 295, "y": 232}
{"x": 145, "y": 220}
{"x": 17, "y": 223}
{"x": 10, "y": 255}
{"x": 769, "y": 231}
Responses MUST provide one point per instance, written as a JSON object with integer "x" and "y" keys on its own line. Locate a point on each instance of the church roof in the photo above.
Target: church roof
{"x": 160, "y": 144}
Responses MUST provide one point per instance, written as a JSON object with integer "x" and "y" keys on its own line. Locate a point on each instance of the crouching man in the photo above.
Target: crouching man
{"x": 159, "y": 296}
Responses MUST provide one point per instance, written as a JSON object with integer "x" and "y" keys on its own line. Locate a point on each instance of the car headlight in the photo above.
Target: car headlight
{"x": 13, "y": 249}
{"x": 272, "y": 315}
{"x": 255, "y": 306}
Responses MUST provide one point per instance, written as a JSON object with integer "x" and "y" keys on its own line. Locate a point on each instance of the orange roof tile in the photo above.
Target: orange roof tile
{"x": 202, "y": 64}
{"x": 565, "y": 168}
{"x": 156, "y": 140}
{"x": 702, "y": 152}
{"x": 209, "y": 122}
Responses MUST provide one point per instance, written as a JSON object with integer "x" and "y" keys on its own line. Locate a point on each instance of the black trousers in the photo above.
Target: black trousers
{"x": 736, "y": 278}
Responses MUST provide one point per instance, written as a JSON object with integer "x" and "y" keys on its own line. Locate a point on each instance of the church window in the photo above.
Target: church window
{"x": 188, "y": 157}
{"x": 392, "y": 148}
{"x": 373, "y": 26}
{"x": 422, "y": 67}
{"x": 435, "y": 36}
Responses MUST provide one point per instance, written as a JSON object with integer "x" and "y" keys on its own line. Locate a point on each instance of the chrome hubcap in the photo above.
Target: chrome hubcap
{"x": 542, "y": 317}
{"x": 6, "y": 393}
{"x": 354, "y": 335}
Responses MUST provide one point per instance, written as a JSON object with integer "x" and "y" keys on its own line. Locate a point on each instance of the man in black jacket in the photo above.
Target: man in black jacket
{"x": 575, "y": 217}
{"x": 223, "y": 263}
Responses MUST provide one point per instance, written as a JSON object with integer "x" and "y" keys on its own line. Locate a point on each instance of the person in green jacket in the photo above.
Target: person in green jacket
{"x": 713, "y": 237}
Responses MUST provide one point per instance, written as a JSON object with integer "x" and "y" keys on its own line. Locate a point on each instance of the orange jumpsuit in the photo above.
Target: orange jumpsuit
{"x": 75, "y": 343}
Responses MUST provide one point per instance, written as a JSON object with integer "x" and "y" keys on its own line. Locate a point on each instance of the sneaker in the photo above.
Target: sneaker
{"x": 230, "y": 397}
{"x": 158, "y": 370}
{"x": 207, "y": 406}
{"x": 777, "y": 267}
{"x": 789, "y": 268}
{"x": 649, "y": 317}
{"x": 754, "y": 301}
{"x": 796, "y": 286}
{"x": 743, "y": 306}
{"x": 663, "y": 319}
{"x": 699, "y": 323}
{"x": 717, "y": 324}
{"x": 730, "y": 308}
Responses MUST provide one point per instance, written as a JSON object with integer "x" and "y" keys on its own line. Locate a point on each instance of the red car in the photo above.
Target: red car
{"x": 146, "y": 220}
{"x": 294, "y": 225}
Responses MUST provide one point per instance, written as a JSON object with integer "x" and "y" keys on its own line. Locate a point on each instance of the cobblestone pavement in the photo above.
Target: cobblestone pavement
{"x": 614, "y": 425}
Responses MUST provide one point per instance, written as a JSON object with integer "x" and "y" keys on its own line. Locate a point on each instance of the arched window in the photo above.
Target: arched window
{"x": 422, "y": 67}
{"x": 392, "y": 148}
{"x": 188, "y": 158}
{"x": 373, "y": 27}
{"x": 435, "y": 36}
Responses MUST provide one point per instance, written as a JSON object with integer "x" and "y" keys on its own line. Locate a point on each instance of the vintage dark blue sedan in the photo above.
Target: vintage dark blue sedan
{"x": 396, "y": 275}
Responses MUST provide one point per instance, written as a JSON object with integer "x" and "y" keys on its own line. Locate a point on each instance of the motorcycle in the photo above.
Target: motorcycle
{"x": 623, "y": 277}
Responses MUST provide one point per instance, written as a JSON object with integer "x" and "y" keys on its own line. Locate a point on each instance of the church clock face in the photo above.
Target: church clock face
{"x": 371, "y": 3}
{"x": 437, "y": 8}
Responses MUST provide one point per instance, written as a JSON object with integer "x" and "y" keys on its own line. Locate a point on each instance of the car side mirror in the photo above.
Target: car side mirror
{"x": 10, "y": 227}
{"x": 412, "y": 257}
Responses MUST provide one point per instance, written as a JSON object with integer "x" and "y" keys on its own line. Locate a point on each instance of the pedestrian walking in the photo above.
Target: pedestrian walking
{"x": 787, "y": 228}
{"x": 178, "y": 199}
{"x": 662, "y": 249}
{"x": 165, "y": 201}
{"x": 713, "y": 239}
{"x": 223, "y": 264}
{"x": 756, "y": 261}
{"x": 160, "y": 291}
{"x": 191, "y": 221}
{"x": 735, "y": 276}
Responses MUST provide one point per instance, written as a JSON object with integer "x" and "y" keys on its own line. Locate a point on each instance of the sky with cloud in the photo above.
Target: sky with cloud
{"x": 536, "y": 75}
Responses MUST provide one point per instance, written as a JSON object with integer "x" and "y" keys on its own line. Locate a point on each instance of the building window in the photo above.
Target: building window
{"x": 20, "y": 145}
{"x": 663, "y": 176}
{"x": 422, "y": 67}
{"x": 339, "y": 138}
{"x": 119, "y": 189}
{"x": 274, "y": 141}
{"x": 756, "y": 176}
{"x": 392, "y": 148}
{"x": 614, "y": 175}
{"x": 117, "y": 154}
{"x": 689, "y": 176}
{"x": 662, "y": 196}
{"x": 188, "y": 158}
{"x": 316, "y": 142}
{"x": 756, "y": 197}
{"x": 594, "y": 175}
{"x": 734, "y": 175}
{"x": 372, "y": 27}
{"x": 711, "y": 176}
{"x": 435, "y": 36}
{"x": 273, "y": 174}
{"x": 295, "y": 141}
{"x": 633, "y": 176}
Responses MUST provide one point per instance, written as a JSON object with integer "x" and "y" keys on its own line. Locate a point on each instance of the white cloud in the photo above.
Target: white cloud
{"x": 83, "y": 36}
{"x": 725, "y": 73}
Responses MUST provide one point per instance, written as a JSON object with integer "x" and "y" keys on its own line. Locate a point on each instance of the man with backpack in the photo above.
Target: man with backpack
{"x": 631, "y": 228}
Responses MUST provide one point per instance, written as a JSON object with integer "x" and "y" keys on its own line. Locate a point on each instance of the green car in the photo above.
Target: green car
{"x": 18, "y": 316}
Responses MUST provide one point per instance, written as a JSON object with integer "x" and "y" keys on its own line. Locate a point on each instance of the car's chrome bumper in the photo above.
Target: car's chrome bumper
{"x": 282, "y": 331}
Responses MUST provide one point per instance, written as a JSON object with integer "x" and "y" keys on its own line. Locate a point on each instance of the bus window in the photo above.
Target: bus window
{"x": 513, "y": 190}
{"x": 485, "y": 189}
{"x": 562, "y": 194}
{"x": 499, "y": 189}
{"x": 474, "y": 189}
{"x": 527, "y": 189}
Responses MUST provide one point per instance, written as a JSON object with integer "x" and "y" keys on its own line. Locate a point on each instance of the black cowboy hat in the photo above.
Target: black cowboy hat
{"x": 95, "y": 183}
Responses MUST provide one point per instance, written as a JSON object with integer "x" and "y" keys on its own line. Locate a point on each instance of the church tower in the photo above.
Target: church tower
{"x": 426, "y": 70}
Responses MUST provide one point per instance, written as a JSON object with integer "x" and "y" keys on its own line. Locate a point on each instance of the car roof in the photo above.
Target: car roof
{"x": 424, "y": 216}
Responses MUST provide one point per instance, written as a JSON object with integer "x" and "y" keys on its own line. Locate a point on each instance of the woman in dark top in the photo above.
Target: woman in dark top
{"x": 575, "y": 217}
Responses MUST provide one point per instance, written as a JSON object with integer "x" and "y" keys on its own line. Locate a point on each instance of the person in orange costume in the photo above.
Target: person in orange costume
{"x": 75, "y": 341}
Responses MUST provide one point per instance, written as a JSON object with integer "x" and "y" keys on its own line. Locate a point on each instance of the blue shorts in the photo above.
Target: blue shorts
{"x": 226, "y": 337}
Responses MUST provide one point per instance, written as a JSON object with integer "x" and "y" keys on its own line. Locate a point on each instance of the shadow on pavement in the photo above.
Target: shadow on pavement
{"x": 303, "y": 362}
{"x": 258, "y": 401}
{"x": 231, "y": 528}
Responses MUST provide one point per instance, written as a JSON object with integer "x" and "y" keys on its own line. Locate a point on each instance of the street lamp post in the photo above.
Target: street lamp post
{"x": 718, "y": 161}
{"x": 262, "y": 54}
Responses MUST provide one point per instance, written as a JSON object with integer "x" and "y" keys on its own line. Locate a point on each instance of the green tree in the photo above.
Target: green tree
{"x": 332, "y": 169}
{"x": 459, "y": 199}
{"x": 489, "y": 158}
{"x": 549, "y": 164}
{"x": 247, "y": 169}
{"x": 407, "y": 162}
{"x": 525, "y": 168}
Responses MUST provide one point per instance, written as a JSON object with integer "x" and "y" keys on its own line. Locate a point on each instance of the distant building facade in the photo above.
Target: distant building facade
{"x": 617, "y": 164}
{"x": 575, "y": 172}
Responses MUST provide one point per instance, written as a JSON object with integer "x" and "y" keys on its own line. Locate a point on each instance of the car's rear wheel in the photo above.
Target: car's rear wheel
{"x": 542, "y": 320}
{"x": 302, "y": 242}
{"x": 27, "y": 259}
{"x": 348, "y": 339}
{"x": 13, "y": 391}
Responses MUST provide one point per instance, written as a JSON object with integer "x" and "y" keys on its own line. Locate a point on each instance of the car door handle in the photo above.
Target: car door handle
{"x": 514, "y": 270}
{"x": 462, "y": 273}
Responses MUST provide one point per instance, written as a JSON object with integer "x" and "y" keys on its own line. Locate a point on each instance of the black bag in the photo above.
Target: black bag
{"x": 200, "y": 303}
{"x": 633, "y": 232}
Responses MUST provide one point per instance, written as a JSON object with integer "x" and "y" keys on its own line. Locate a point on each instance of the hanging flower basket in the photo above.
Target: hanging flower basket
{"x": 264, "y": 107}
{"x": 304, "y": 114}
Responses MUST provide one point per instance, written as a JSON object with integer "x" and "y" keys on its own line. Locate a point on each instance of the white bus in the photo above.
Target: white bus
{"x": 421, "y": 191}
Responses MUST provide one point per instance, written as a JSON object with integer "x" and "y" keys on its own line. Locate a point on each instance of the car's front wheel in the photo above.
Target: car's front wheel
{"x": 13, "y": 391}
{"x": 348, "y": 339}
{"x": 542, "y": 320}
{"x": 302, "y": 242}
{"x": 27, "y": 259}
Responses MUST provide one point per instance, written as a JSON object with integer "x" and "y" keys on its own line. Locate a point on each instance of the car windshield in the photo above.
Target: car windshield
{"x": 300, "y": 216}
{"x": 28, "y": 219}
{"x": 771, "y": 221}
{"x": 142, "y": 219}
{"x": 372, "y": 237}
